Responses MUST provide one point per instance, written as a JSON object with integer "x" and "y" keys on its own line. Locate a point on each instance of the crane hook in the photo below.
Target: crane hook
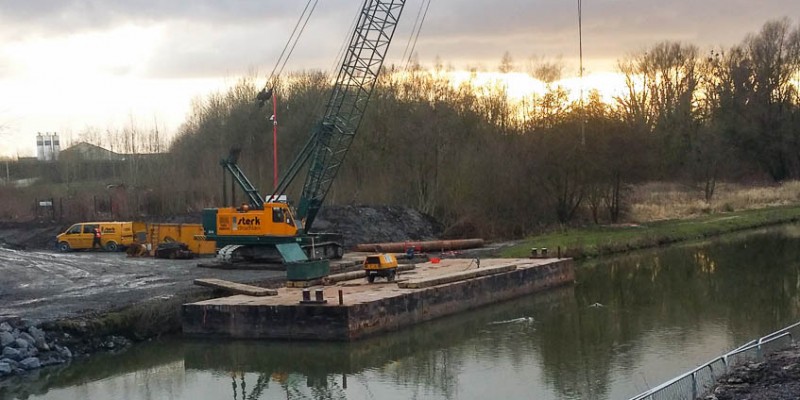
{"x": 263, "y": 96}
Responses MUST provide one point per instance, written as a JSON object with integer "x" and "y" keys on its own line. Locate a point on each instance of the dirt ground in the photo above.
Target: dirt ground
{"x": 46, "y": 286}
{"x": 777, "y": 378}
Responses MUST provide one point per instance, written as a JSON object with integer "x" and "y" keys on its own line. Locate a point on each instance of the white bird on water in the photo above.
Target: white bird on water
{"x": 514, "y": 321}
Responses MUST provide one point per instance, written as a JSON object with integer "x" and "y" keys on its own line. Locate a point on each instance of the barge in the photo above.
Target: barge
{"x": 346, "y": 310}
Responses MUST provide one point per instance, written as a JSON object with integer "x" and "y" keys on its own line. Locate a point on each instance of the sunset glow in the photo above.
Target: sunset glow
{"x": 520, "y": 85}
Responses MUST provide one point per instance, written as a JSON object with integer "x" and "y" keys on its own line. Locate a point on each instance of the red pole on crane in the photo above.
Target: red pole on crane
{"x": 274, "y": 141}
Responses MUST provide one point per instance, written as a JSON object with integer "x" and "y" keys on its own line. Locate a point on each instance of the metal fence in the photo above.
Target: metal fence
{"x": 700, "y": 380}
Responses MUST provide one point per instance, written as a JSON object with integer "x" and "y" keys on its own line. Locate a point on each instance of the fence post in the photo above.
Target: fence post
{"x": 694, "y": 385}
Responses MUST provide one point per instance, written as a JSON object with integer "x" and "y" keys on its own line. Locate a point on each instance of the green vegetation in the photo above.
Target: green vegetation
{"x": 601, "y": 240}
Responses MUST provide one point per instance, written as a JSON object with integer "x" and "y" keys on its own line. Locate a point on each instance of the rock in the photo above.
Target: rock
{"x": 12, "y": 353}
{"x": 5, "y": 327}
{"x": 9, "y": 319}
{"x": 6, "y": 338}
{"x": 21, "y": 343}
{"x": 24, "y": 324}
{"x": 39, "y": 338}
{"x": 5, "y": 368}
{"x": 64, "y": 351}
{"x": 12, "y": 363}
{"x": 29, "y": 352}
{"x": 30, "y": 363}
{"x": 28, "y": 338}
{"x": 51, "y": 358}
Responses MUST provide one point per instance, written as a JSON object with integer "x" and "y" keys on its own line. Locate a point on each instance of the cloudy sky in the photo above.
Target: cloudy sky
{"x": 66, "y": 65}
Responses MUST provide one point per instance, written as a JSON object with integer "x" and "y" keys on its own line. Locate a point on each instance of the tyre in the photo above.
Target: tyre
{"x": 112, "y": 246}
{"x": 64, "y": 247}
{"x": 371, "y": 278}
{"x": 339, "y": 251}
{"x": 391, "y": 276}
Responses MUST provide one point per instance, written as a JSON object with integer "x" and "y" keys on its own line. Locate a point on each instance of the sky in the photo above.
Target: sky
{"x": 71, "y": 65}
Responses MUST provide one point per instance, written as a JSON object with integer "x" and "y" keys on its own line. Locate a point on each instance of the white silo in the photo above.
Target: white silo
{"x": 51, "y": 146}
{"x": 48, "y": 147}
{"x": 39, "y": 147}
{"x": 56, "y": 146}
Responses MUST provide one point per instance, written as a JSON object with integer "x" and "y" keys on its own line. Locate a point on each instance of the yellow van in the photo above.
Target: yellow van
{"x": 114, "y": 236}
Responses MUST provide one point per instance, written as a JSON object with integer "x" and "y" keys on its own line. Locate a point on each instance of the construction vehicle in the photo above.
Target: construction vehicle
{"x": 154, "y": 234}
{"x": 115, "y": 236}
{"x": 265, "y": 227}
{"x": 380, "y": 265}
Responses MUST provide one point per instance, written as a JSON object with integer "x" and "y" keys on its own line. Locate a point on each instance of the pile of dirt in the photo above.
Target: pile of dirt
{"x": 377, "y": 224}
{"x": 777, "y": 378}
{"x": 357, "y": 224}
{"x": 30, "y": 235}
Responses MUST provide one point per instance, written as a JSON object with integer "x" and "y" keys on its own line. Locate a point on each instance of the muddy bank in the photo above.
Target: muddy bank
{"x": 777, "y": 378}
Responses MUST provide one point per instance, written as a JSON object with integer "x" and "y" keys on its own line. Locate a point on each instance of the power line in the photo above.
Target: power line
{"x": 416, "y": 36}
{"x": 580, "y": 73}
{"x": 294, "y": 38}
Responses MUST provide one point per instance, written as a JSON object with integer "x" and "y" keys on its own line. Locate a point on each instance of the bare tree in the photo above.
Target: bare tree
{"x": 506, "y": 63}
{"x": 547, "y": 71}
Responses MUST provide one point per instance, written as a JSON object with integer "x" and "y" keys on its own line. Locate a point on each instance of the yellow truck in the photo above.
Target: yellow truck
{"x": 114, "y": 236}
{"x": 153, "y": 234}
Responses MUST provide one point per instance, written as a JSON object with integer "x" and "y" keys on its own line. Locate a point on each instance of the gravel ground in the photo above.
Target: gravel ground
{"x": 46, "y": 286}
{"x": 777, "y": 378}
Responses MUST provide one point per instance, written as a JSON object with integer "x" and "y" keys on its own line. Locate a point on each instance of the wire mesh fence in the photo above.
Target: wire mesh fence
{"x": 700, "y": 380}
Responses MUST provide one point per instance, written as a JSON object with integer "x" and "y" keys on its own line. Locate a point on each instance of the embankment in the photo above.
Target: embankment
{"x": 596, "y": 241}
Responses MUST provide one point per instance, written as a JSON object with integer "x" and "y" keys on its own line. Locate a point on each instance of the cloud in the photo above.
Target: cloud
{"x": 58, "y": 17}
{"x": 198, "y": 49}
{"x": 221, "y": 38}
{"x": 481, "y": 30}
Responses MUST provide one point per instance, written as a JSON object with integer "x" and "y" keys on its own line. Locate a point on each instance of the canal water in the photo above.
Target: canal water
{"x": 630, "y": 323}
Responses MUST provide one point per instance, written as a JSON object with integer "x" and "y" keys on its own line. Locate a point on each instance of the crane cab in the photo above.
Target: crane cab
{"x": 275, "y": 219}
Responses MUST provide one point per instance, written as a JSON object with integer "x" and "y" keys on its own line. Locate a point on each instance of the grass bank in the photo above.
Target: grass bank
{"x": 601, "y": 240}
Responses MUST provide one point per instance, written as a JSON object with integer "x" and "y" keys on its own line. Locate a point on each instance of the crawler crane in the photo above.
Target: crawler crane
{"x": 267, "y": 227}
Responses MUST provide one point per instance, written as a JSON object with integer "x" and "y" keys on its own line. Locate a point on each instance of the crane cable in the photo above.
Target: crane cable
{"x": 418, "y": 26}
{"x": 293, "y": 39}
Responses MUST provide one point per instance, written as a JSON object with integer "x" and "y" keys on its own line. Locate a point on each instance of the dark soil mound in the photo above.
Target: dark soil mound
{"x": 777, "y": 378}
{"x": 371, "y": 224}
{"x": 30, "y": 235}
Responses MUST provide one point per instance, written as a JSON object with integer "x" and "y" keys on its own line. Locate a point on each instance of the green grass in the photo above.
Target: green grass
{"x": 601, "y": 240}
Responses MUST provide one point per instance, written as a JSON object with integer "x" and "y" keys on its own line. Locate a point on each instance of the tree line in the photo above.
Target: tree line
{"x": 486, "y": 165}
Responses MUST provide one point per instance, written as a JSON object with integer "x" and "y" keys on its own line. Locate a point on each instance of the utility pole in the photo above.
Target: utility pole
{"x": 274, "y": 141}
{"x": 580, "y": 56}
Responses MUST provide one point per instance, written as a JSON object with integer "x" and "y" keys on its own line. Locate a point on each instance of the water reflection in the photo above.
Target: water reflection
{"x": 629, "y": 323}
